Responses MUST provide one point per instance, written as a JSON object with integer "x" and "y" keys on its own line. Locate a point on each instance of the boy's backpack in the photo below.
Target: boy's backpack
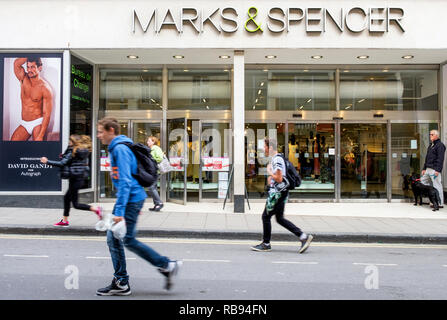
{"x": 147, "y": 166}
{"x": 291, "y": 174}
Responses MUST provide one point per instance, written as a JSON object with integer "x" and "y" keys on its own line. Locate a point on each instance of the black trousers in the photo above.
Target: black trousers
{"x": 278, "y": 212}
{"x": 72, "y": 196}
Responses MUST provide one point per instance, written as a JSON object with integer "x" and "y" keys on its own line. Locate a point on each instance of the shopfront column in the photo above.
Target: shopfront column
{"x": 443, "y": 122}
{"x": 238, "y": 127}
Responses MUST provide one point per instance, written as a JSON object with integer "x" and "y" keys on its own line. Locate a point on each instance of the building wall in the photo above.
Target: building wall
{"x": 49, "y": 24}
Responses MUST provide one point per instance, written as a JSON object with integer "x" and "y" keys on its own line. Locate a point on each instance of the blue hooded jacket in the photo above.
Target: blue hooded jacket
{"x": 124, "y": 164}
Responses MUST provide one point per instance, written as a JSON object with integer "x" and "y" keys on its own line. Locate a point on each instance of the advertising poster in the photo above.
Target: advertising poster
{"x": 31, "y": 120}
{"x": 176, "y": 163}
{"x": 105, "y": 164}
{"x": 215, "y": 164}
{"x": 222, "y": 185}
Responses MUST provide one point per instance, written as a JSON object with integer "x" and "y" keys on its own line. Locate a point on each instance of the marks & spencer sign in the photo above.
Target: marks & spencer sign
{"x": 274, "y": 20}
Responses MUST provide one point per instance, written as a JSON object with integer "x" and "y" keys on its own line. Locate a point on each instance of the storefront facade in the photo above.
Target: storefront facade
{"x": 350, "y": 90}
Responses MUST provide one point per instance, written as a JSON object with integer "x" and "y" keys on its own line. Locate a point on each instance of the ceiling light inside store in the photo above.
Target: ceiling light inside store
{"x": 262, "y": 84}
{"x": 408, "y": 57}
{"x": 385, "y": 70}
{"x": 345, "y": 70}
{"x": 361, "y": 100}
{"x": 185, "y": 70}
{"x": 145, "y": 70}
{"x": 265, "y": 70}
{"x": 259, "y": 91}
{"x": 301, "y": 108}
{"x": 254, "y": 107}
{"x": 207, "y": 107}
{"x": 270, "y": 56}
{"x": 225, "y": 70}
{"x": 309, "y": 100}
{"x": 362, "y": 57}
{"x": 132, "y": 57}
{"x": 317, "y": 57}
{"x": 224, "y": 57}
{"x": 178, "y": 57}
{"x": 305, "y": 70}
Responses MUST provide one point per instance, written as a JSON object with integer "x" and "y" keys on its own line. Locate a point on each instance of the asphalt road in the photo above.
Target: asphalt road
{"x": 62, "y": 267}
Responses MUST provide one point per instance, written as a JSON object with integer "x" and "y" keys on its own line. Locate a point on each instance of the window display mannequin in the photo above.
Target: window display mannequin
{"x": 195, "y": 159}
{"x": 208, "y": 152}
{"x": 293, "y": 150}
{"x": 176, "y": 149}
{"x": 251, "y": 162}
{"x": 324, "y": 161}
{"x": 316, "y": 155}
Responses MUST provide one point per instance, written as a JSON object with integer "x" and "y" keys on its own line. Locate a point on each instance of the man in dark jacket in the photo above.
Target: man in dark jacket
{"x": 434, "y": 161}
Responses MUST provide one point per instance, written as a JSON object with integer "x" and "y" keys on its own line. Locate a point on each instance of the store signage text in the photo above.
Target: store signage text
{"x": 276, "y": 19}
{"x": 81, "y": 77}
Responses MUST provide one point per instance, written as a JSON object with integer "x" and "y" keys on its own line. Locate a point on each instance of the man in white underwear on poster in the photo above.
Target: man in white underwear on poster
{"x": 37, "y": 100}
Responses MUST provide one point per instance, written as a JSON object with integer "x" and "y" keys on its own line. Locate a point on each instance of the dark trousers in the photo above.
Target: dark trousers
{"x": 278, "y": 212}
{"x": 72, "y": 196}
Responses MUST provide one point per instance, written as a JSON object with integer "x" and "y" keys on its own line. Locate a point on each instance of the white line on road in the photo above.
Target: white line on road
{"x": 24, "y": 256}
{"x": 375, "y": 264}
{"x": 227, "y": 242}
{"x": 205, "y": 260}
{"x": 107, "y": 258}
{"x": 295, "y": 262}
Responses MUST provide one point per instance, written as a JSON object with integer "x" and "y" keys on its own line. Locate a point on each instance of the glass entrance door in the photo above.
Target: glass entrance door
{"x": 409, "y": 142}
{"x": 215, "y": 143}
{"x": 255, "y": 159}
{"x": 136, "y": 130}
{"x": 311, "y": 149}
{"x": 141, "y": 131}
{"x": 106, "y": 188}
{"x": 178, "y": 156}
{"x": 363, "y": 157}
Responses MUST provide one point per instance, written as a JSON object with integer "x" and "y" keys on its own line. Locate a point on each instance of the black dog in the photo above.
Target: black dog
{"x": 421, "y": 190}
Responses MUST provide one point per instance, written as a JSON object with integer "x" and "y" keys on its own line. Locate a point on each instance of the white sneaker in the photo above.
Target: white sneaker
{"x": 170, "y": 272}
{"x": 305, "y": 243}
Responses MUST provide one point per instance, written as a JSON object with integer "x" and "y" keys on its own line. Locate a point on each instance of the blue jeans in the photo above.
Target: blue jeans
{"x": 152, "y": 189}
{"x": 116, "y": 247}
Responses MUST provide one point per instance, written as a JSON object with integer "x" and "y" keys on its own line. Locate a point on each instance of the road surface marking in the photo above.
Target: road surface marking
{"x": 107, "y": 258}
{"x": 375, "y": 264}
{"x": 226, "y": 242}
{"x": 295, "y": 262}
{"x": 24, "y": 256}
{"x": 205, "y": 260}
